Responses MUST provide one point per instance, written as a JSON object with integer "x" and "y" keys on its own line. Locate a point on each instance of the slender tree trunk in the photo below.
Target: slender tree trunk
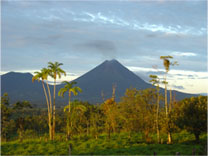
{"x": 167, "y": 114}
{"x": 49, "y": 115}
{"x": 54, "y": 108}
{"x": 68, "y": 133}
{"x": 166, "y": 100}
{"x": 169, "y": 118}
{"x": 170, "y": 105}
{"x": 169, "y": 137}
{"x": 157, "y": 117}
{"x": 50, "y": 105}
{"x": 68, "y": 127}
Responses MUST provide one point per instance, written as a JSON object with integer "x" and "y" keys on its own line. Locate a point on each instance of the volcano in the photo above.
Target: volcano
{"x": 102, "y": 78}
{"x": 96, "y": 85}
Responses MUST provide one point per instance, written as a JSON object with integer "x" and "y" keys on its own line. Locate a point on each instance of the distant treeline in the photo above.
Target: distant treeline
{"x": 136, "y": 112}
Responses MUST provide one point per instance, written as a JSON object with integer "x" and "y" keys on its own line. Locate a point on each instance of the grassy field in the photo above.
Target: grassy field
{"x": 119, "y": 144}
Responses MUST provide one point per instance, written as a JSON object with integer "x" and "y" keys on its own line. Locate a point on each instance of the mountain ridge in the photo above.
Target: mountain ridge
{"x": 99, "y": 80}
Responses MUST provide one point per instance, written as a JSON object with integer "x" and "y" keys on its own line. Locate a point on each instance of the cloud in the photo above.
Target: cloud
{"x": 183, "y": 54}
{"x": 136, "y": 24}
{"x": 156, "y": 73}
{"x": 70, "y": 32}
{"x": 205, "y": 77}
{"x": 105, "y": 47}
{"x": 178, "y": 87}
{"x": 51, "y": 18}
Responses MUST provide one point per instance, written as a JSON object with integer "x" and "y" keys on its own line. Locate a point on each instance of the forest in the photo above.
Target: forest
{"x": 143, "y": 122}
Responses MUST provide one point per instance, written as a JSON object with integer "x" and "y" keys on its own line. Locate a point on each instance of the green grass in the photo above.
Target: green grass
{"x": 119, "y": 144}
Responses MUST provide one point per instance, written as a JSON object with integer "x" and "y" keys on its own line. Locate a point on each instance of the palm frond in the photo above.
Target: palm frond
{"x": 62, "y": 91}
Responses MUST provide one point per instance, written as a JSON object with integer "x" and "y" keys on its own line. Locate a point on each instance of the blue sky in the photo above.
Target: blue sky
{"x": 82, "y": 34}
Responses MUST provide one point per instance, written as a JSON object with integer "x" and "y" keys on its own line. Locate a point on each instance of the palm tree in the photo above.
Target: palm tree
{"x": 77, "y": 110}
{"x": 46, "y": 72}
{"x": 70, "y": 89}
{"x": 167, "y": 63}
{"x": 156, "y": 81}
{"x": 54, "y": 71}
{"x": 43, "y": 76}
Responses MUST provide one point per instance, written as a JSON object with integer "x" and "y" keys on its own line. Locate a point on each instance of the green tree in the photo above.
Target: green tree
{"x": 192, "y": 115}
{"x": 70, "y": 89}
{"x": 76, "y": 119}
{"x": 129, "y": 116}
{"x": 146, "y": 100}
{"x": 20, "y": 108}
{"x": 95, "y": 120}
{"x": 54, "y": 71}
{"x": 6, "y": 124}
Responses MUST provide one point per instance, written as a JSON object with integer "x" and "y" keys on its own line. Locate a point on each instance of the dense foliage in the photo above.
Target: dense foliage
{"x": 192, "y": 115}
{"x": 135, "y": 113}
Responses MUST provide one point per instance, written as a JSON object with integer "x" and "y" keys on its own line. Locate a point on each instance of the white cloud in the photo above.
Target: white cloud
{"x": 50, "y": 18}
{"x": 183, "y": 54}
{"x": 198, "y": 83}
{"x": 135, "y": 24}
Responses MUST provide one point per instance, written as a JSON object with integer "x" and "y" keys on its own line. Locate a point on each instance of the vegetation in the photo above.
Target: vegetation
{"x": 167, "y": 64}
{"x": 54, "y": 71}
{"x": 120, "y": 144}
{"x": 70, "y": 89}
{"x": 192, "y": 115}
{"x": 156, "y": 81}
{"x": 137, "y": 124}
{"x": 43, "y": 75}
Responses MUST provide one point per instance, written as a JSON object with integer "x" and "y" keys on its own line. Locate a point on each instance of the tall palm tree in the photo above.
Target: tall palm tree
{"x": 46, "y": 72}
{"x": 166, "y": 64}
{"x": 156, "y": 81}
{"x": 70, "y": 89}
{"x": 43, "y": 76}
{"x": 54, "y": 71}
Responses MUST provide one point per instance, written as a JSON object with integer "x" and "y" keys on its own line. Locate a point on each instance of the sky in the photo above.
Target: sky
{"x": 83, "y": 34}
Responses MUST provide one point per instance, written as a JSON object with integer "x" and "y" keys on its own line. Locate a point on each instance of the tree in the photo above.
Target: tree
{"x": 70, "y": 89}
{"x": 20, "y": 108}
{"x": 109, "y": 108}
{"x": 129, "y": 116}
{"x": 95, "y": 120}
{"x": 75, "y": 118}
{"x": 156, "y": 81}
{"x": 146, "y": 99}
{"x": 6, "y": 124}
{"x": 54, "y": 71}
{"x": 43, "y": 75}
{"x": 166, "y": 64}
{"x": 192, "y": 115}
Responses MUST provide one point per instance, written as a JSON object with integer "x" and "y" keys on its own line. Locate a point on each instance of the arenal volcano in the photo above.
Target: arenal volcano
{"x": 99, "y": 80}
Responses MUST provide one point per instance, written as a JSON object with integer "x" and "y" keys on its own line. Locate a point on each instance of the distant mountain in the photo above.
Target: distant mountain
{"x": 99, "y": 80}
{"x": 19, "y": 87}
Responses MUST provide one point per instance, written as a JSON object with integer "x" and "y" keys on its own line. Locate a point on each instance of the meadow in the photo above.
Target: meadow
{"x": 119, "y": 144}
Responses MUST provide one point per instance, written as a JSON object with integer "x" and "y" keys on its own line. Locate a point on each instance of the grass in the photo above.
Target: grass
{"x": 119, "y": 144}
